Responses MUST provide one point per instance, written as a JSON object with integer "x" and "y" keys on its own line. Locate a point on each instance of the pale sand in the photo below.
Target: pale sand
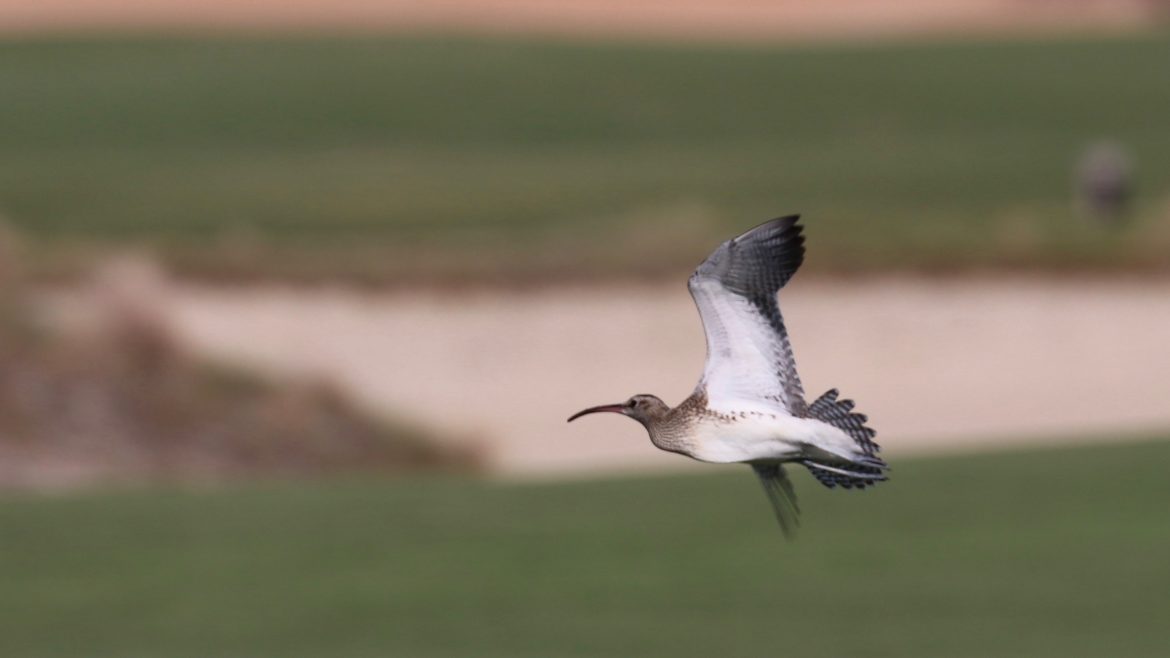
{"x": 729, "y": 19}
{"x": 936, "y": 365}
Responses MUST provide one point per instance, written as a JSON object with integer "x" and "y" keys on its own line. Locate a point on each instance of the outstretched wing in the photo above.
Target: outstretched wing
{"x": 781, "y": 495}
{"x": 749, "y": 357}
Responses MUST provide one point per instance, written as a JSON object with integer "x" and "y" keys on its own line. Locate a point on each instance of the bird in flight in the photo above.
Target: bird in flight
{"x": 749, "y": 405}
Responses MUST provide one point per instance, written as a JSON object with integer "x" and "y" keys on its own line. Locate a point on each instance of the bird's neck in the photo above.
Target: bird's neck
{"x": 673, "y": 430}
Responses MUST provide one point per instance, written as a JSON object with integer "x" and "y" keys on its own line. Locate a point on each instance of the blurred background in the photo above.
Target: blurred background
{"x": 295, "y": 298}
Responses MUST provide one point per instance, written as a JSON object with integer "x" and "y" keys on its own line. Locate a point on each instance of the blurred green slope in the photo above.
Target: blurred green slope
{"x": 382, "y": 158}
{"x": 1042, "y": 553}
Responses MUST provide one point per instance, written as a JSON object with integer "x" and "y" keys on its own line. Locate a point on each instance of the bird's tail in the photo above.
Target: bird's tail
{"x": 862, "y": 469}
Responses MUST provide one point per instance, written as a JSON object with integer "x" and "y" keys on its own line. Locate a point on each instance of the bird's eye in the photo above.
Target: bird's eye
{"x": 635, "y": 402}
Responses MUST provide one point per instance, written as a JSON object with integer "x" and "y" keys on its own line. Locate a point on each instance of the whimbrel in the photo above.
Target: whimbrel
{"x": 749, "y": 405}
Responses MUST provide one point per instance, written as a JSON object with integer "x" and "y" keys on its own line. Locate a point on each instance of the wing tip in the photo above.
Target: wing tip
{"x": 760, "y": 260}
{"x": 787, "y": 227}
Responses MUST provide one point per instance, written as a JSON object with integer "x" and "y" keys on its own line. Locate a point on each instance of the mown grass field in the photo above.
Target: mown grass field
{"x": 1040, "y": 553}
{"x": 395, "y": 158}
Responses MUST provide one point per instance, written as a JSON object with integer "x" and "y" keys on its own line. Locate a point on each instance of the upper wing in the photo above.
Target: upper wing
{"x": 748, "y": 353}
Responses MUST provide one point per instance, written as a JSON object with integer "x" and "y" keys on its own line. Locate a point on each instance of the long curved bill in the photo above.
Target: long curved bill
{"x": 615, "y": 408}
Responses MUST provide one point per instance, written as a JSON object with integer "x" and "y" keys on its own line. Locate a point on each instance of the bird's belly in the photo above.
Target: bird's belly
{"x": 755, "y": 437}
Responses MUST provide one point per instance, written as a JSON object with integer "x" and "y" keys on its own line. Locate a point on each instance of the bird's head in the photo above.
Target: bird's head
{"x": 643, "y": 408}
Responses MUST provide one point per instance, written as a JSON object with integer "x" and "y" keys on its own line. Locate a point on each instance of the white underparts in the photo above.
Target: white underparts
{"x": 754, "y": 435}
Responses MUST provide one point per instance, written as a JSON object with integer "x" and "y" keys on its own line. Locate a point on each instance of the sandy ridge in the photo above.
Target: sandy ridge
{"x": 732, "y": 19}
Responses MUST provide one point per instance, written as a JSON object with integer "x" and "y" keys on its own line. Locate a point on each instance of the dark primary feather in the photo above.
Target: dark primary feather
{"x": 755, "y": 266}
{"x": 760, "y": 261}
{"x": 781, "y": 495}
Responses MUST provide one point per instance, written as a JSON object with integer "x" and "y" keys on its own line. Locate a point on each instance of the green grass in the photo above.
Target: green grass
{"x": 382, "y": 158}
{"x": 1040, "y": 553}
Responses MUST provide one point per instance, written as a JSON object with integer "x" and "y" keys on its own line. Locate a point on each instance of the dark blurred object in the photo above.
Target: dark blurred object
{"x": 1104, "y": 183}
{"x": 10, "y": 246}
{"x": 102, "y": 392}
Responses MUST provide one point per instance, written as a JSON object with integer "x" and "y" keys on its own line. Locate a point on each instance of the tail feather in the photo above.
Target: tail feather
{"x": 854, "y": 477}
{"x": 860, "y": 470}
{"x": 839, "y": 413}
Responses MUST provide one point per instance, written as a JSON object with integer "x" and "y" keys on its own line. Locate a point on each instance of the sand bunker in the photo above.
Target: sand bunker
{"x": 936, "y": 365}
